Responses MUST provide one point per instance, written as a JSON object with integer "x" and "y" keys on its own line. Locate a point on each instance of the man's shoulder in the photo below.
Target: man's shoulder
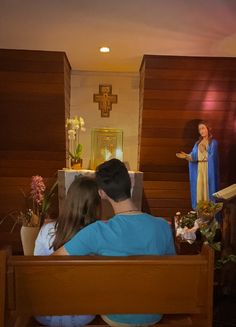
{"x": 112, "y": 222}
{"x": 160, "y": 222}
{"x": 97, "y": 225}
{"x": 156, "y": 219}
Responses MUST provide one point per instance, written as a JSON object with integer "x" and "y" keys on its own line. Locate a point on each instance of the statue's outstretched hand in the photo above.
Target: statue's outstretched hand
{"x": 183, "y": 155}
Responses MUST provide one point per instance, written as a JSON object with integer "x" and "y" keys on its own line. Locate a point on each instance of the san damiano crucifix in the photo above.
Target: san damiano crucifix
{"x": 105, "y": 99}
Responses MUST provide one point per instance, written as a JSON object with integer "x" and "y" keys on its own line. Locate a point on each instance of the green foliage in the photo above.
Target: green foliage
{"x": 47, "y": 200}
{"x": 208, "y": 232}
{"x": 77, "y": 153}
{"x": 204, "y": 220}
{"x": 187, "y": 220}
{"x": 222, "y": 261}
{"x": 208, "y": 209}
{"x": 207, "y": 228}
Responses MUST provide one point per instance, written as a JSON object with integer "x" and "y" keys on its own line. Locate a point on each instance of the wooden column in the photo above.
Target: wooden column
{"x": 34, "y": 101}
{"x": 175, "y": 93}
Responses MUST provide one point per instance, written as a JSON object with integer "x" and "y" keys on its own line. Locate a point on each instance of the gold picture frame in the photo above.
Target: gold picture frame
{"x": 107, "y": 143}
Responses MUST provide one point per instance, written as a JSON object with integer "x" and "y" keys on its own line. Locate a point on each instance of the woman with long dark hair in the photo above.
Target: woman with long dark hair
{"x": 203, "y": 165}
{"x": 81, "y": 208}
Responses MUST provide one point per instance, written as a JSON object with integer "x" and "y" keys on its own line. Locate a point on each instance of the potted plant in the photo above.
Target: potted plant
{"x": 200, "y": 223}
{"x": 74, "y": 126}
{"x": 186, "y": 233}
{"x": 76, "y": 160}
{"x": 200, "y": 226}
{"x": 37, "y": 204}
{"x": 33, "y": 218}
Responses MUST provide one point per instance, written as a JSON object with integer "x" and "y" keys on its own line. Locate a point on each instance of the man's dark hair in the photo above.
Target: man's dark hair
{"x": 113, "y": 178}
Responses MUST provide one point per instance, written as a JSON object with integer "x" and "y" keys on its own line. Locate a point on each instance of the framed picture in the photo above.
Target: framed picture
{"x": 107, "y": 143}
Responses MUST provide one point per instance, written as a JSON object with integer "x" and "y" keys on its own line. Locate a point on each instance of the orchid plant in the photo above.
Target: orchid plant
{"x": 74, "y": 126}
{"x": 37, "y": 202}
{"x": 40, "y": 198}
{"x": 37, "y": 193}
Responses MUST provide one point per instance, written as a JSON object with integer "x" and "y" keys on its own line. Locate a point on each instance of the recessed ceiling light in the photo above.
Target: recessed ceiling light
{"x": 104, "y": 49}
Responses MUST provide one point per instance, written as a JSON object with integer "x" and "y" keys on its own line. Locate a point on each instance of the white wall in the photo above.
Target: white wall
{"x": 124, "y": 114}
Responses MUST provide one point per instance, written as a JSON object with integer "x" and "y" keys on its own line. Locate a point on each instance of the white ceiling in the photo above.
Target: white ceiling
{"x": 131, "y": 28}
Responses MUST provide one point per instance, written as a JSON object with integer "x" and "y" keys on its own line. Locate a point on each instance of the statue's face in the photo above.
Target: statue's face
{"x": 203, "y": 131}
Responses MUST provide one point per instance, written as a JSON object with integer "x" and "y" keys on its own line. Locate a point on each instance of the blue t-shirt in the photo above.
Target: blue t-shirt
{"x": 124, "y": 235}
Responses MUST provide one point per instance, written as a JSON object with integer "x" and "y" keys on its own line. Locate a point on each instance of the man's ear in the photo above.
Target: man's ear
{"x": 102, "y": 194}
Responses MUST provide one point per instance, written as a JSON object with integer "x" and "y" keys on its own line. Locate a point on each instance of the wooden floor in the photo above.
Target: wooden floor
{"x": 225, "y": 312}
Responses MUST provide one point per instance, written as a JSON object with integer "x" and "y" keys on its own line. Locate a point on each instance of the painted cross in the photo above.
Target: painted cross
{"x": 105, "y": 99}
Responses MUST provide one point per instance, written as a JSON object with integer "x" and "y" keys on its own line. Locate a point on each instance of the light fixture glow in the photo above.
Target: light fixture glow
{"x": 104, "y": 49}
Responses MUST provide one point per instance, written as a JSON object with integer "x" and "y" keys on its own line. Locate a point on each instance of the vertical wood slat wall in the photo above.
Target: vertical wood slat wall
{"x": 175, "y": 93}
{"x": 34, "y": 102}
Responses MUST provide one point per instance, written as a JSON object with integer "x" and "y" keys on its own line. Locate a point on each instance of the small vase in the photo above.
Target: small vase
{"x": 76, "y": 164}
{"x": 28, "y": 237}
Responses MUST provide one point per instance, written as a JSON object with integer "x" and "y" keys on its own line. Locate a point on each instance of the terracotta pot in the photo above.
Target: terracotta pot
{"x": 28, "y": 237}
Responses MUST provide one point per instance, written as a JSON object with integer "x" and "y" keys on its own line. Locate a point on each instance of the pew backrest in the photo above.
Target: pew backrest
{"x": 53, "y": 285}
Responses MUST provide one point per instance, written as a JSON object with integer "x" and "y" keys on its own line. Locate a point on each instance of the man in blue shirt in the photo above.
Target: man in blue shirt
{"x": 129, "y": 232}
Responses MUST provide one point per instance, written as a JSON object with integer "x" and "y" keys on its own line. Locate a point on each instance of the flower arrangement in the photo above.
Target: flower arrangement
{"x": 201, "y": 220}
{"x": 187, "y": 220}
{"x": 40, "y": 200}
{"x": 186, "y": 226}
{"x": 74, "y": 126}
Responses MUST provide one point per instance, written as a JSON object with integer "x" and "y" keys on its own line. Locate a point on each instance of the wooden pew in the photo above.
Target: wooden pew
{"x": 3, "y": 256}
{"x": 179, "y": 286}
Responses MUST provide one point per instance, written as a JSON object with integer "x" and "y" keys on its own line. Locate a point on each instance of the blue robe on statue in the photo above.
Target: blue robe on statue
{"x": 213, "y": 171}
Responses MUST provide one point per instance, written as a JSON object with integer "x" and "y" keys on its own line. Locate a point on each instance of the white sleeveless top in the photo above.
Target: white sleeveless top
{"x": 45, "y": 239}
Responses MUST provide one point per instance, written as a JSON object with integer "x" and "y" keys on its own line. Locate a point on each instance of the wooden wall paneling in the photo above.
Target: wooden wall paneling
{"x": 34, "y": 102}
{"x": 175, "y": 93}
{"x": 181, "y": 63}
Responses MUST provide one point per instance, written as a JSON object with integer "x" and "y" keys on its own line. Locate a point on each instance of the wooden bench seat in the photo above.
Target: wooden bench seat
{"x": 179, "y": 286}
